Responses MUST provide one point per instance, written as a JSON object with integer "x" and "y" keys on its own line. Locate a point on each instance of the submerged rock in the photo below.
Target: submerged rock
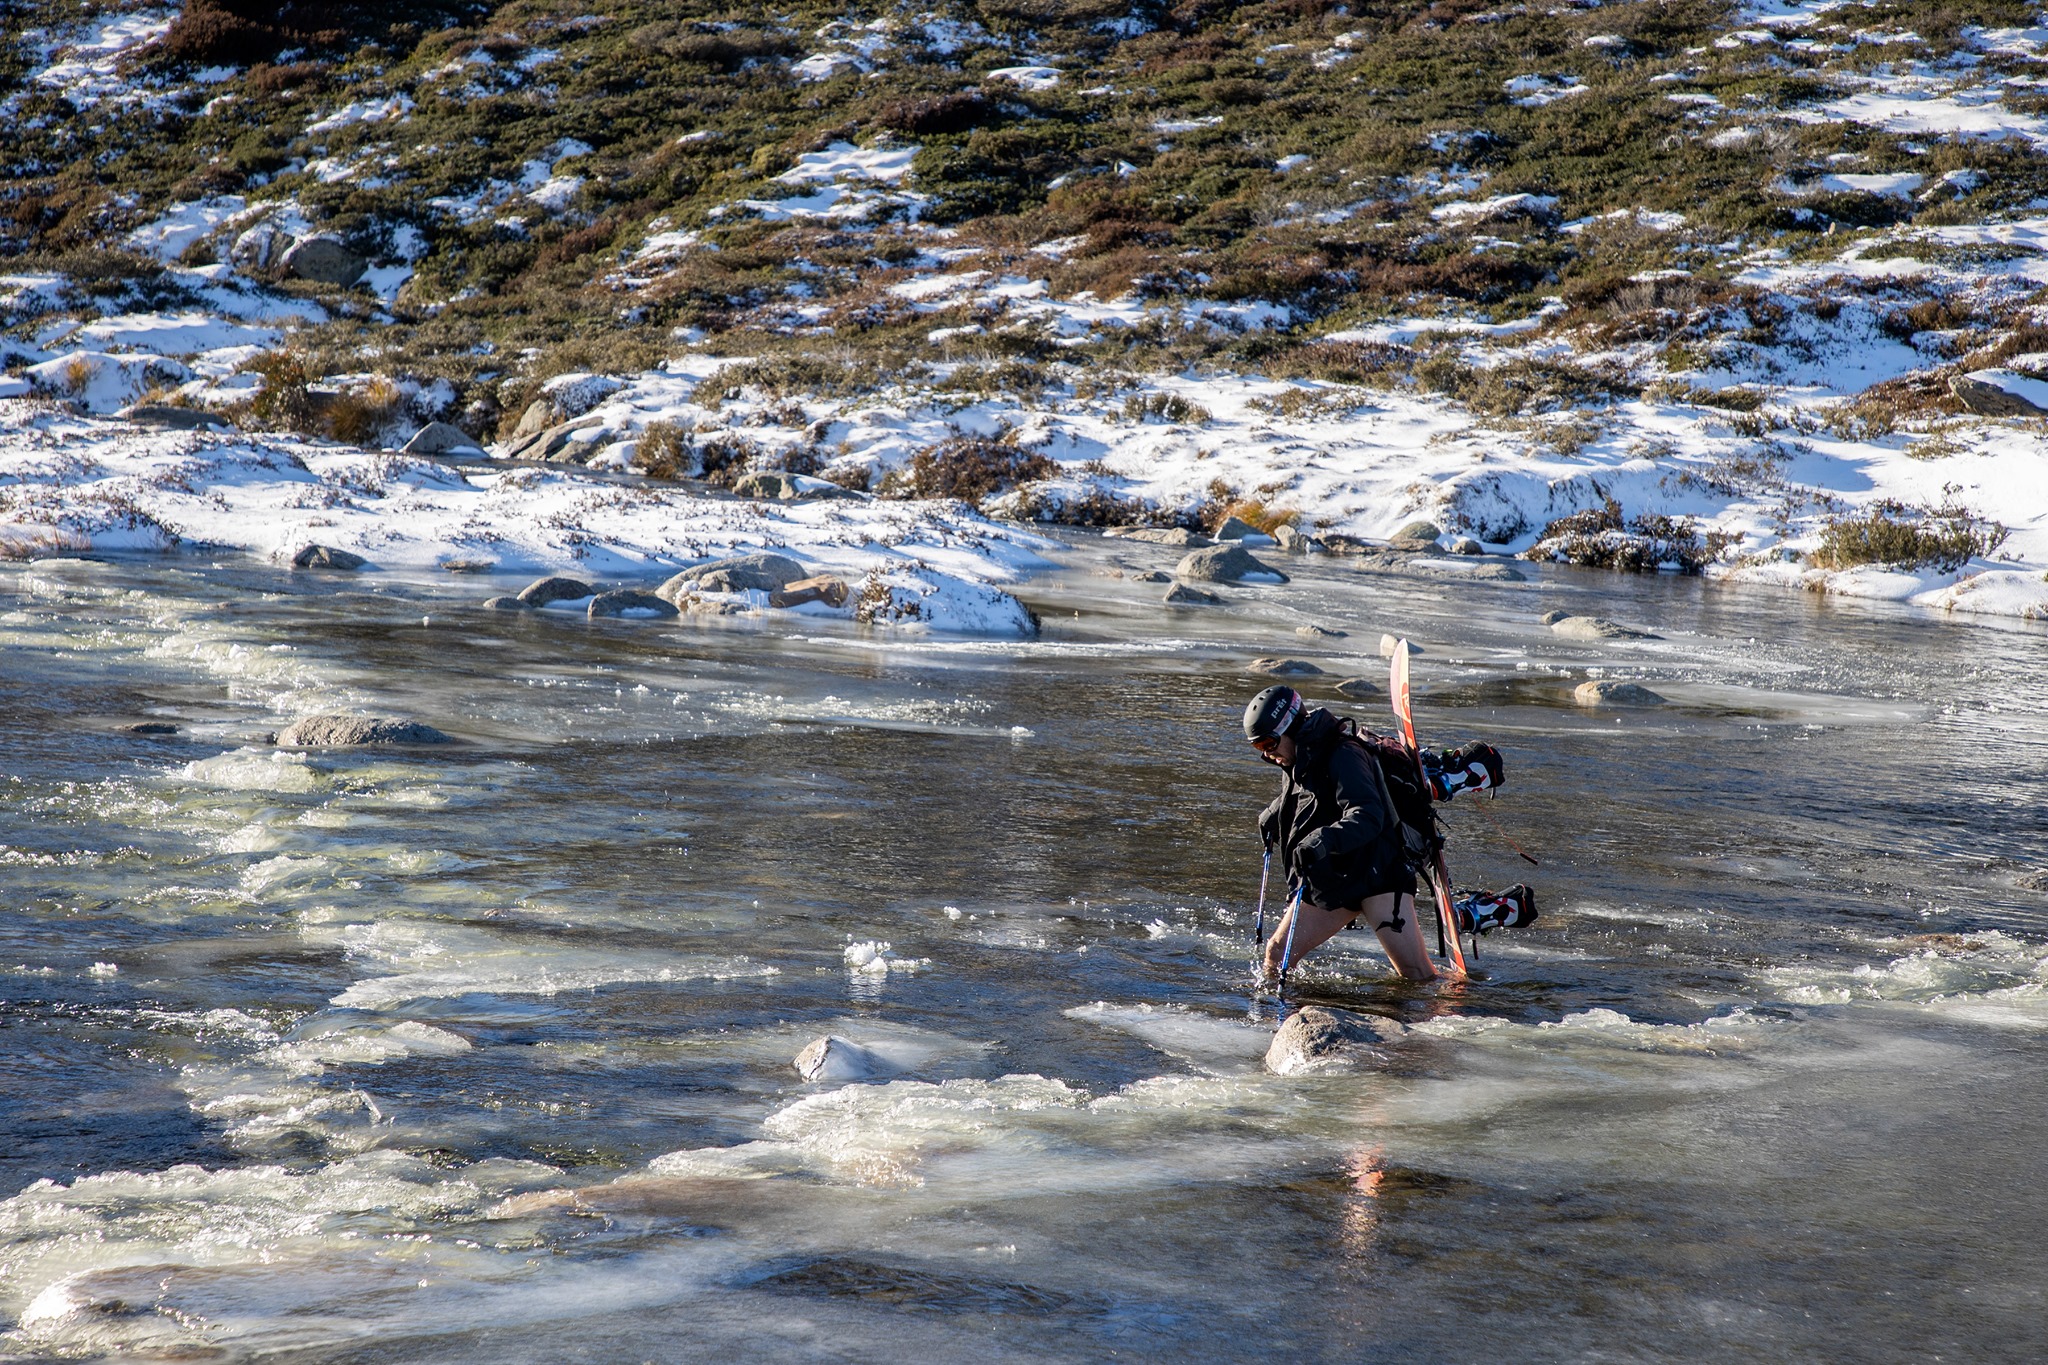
{"x": 1161, "y": 535}
{"x": 1319, "y": 1039}
{"x": 1614, "y": 692}
{"x": 1181, "y": 595}
{"x": 1362, "y": 687}
{"x": 1593, "y": 628}
{"x": 541, "y": 592}
{"x": 629, "y": 602}
{"x": 738, "y": 573}
{"x": 150, "y": 727}
{"x": 1153, "y": 576}
{"x": 337, "y": 731}
{"x": 1281, "y": 667}
{"x": 833, "y": 1058}
{"x": 1226, "y": 564}
{"x": 1315, "y": 632}
{"x": 326, "y": 557}
{"x": 2033, "y": 881}
{"x": 506, "y": 603}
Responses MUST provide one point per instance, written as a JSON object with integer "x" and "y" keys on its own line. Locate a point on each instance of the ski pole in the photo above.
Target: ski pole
{"x": 1287, "y": 953}
{"x": 1259, "y": 928}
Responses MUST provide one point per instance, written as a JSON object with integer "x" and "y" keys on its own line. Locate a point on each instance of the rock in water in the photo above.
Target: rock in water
{"x": 1315, "y": 632}
{"x": 334, "y": 731}
{"x": 1465, "y": 545}
{"x": 1281, "y": 667}
{"x": 151, "y": 727}
{"x": 740, "y": 573}
{"x": 1226, "y": 564}
{"x": 627, "y": 602}
{"x": 1318, "y": 1039}
{"x": 1595, "y": 628}
{"x": 326, "y": 557}
{"x": 1293, "y": 540}
{"x": 1236, "y": 528}
{"x": 1612, "y": 692}
{"x": 833, "y": 1058}
{"x": 503, "y": 603}
{"x": 543, "y": 591}
{"x": 1181, "y": 595}
{"x": 1416, "y": 535}
{"x": 1361, "y": 687}
{"x": 1391, "y": 643}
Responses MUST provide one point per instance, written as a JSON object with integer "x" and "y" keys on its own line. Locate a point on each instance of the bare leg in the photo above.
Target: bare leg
{"x": 1316, "y": 927}
{"x": 1404, "y": 947}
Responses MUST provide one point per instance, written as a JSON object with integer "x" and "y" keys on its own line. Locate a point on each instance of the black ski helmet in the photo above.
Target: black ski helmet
{"x": 1273, "y": 712}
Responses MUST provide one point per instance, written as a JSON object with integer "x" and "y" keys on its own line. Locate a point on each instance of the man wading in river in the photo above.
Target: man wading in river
{"x": 1338, "y": 831}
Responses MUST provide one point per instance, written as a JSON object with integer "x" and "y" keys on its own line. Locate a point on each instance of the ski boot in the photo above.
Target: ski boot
{"x": 1484, "y": 912}
{"x": 1474, "y": 767}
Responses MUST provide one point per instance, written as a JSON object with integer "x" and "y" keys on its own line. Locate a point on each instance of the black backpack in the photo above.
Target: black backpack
{"x": 1406, "y": 793}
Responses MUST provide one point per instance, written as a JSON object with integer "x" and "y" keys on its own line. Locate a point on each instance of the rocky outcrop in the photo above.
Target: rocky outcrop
{"x": 833, "y": 1058}
{"x": 1294, "y": 541}
{"x": 1614, "y": 692}
{"x": 629, "y": 602}
{"x": 336, "y": 731}
{"x": 327, "y": 557}
{"x": 1226, "y": 564}
{"x": 1280, "y": 668}
{"x": 167, "y": 417}
{"x": 833, "y": 592}
{"x": 543, "y": 591}
{"x": 1161, "y": 535}
{"x": 1181, "y": 595}
{"x": 1593, "y": 628}
{"x": 1994, "y": 393}
{"x": 1319, "y": 1039}
{"x": 1416, "y": 535}
{"x": 570, "y": 442}
{"x": 324, "y": 260}
{"x": 441, "y": 438}
{"x": 740, "y": 573}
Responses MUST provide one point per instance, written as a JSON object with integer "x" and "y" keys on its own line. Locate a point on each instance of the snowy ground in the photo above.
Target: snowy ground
{"x": 71, "y": 484}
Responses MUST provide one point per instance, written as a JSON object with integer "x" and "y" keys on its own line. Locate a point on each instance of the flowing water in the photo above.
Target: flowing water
{"x": 484, "y": 1052}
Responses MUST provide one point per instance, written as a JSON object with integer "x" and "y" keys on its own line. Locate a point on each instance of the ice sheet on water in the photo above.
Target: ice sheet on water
{"x": 1205, "y": 1041}
{"x": 255, "y": 770}
{"x": 441, "y": 961}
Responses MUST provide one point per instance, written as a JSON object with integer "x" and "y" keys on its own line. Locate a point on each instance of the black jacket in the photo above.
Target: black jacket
{"x": 1333, "y": 825}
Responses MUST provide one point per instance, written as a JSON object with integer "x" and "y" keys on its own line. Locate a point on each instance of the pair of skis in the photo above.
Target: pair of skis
{"x": 1439, "y": 873}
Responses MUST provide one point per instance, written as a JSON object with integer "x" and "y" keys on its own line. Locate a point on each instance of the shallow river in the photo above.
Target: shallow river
{"x": 302, "y": 1049}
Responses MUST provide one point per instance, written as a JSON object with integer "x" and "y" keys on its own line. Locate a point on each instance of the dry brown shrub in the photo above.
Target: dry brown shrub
{"x": 969, "y": 468}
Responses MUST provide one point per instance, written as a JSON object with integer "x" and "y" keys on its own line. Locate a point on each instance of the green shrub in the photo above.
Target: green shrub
{"x": 1897, "y": 536}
